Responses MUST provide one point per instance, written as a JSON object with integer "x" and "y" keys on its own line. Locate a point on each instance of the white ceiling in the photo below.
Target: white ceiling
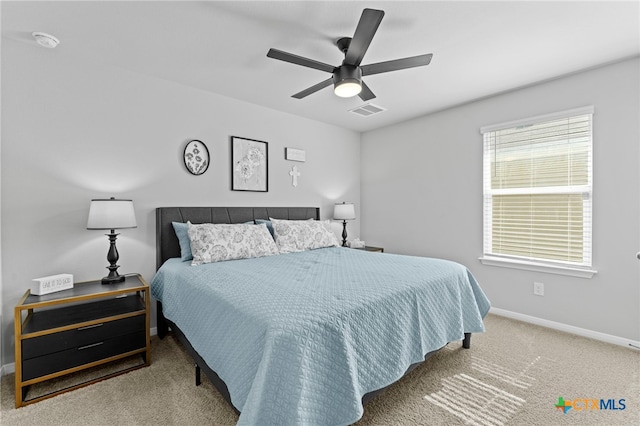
{"x": 480, "y": 48}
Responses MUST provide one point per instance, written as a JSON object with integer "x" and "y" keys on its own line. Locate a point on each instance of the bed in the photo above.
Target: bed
{"x": 307, "y": 337}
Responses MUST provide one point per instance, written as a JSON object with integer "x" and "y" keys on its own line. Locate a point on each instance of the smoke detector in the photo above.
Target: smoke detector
{"x": 46, "y": 40}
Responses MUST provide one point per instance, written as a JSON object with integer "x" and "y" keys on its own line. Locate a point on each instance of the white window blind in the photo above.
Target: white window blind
{"x": 538, "y": 189}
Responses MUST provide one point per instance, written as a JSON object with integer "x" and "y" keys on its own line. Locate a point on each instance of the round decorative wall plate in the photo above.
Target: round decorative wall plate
{"x": 196, "y": 157}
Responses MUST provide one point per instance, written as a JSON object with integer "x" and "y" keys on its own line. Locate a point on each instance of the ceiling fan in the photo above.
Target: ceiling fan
{"x": 347, "y": 78}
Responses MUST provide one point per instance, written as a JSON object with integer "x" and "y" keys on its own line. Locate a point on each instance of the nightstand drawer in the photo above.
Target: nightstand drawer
{"x": 56, "y": 342}
{"x": 63, "y": 360}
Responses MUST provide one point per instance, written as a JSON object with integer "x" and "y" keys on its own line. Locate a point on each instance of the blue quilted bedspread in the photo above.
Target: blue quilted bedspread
{"x": 299, "y": 338}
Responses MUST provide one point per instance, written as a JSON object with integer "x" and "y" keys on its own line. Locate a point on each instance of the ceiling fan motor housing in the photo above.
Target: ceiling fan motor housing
{"x": 347, "y": 74}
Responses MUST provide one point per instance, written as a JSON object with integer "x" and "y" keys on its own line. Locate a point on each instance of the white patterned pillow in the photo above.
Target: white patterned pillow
{"x": 218, "y": 242}
{"x": 300, "y": 235}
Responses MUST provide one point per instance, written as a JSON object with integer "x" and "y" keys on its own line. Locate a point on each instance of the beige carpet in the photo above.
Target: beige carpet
{"x": 513, "y": 375}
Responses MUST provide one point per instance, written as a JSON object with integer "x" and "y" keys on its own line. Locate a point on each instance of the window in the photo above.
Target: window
{"x": 538, "y": 190}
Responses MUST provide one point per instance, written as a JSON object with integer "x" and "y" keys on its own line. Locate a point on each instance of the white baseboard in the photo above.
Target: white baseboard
{"x": 620, "y": 341}
{"x": 7, "y": 369}
{"x": 11, "y": 368}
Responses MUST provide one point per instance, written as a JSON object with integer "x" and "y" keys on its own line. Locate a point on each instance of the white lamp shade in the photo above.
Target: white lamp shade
{"x": 111, "y": 214}
{"x": 344, "y": 211}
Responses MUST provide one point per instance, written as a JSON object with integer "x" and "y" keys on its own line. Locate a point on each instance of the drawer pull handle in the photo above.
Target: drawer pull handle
{"x": 90, "y": 326}
{"x": 93, "y": 345}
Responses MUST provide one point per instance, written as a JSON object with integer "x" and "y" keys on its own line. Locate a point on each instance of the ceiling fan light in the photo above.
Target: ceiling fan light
{"x": 347, "y": 81}
{"x": 347, "y": 88}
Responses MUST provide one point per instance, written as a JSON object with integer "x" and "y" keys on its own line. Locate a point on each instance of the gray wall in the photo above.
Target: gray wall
{"x": 422, "y": 194}
{"x": 75, "y": 129}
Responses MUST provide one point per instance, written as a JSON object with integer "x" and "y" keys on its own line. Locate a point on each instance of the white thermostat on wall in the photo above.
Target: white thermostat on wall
{"x": 51, "y": 284}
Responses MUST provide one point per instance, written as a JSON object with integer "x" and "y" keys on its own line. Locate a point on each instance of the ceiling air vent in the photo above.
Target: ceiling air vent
{"x": 367, "y": 110}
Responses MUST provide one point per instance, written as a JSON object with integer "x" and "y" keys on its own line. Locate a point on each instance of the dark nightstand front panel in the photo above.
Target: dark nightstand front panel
{"x": 59, "y": 361}
{"x": 82, "y": 336}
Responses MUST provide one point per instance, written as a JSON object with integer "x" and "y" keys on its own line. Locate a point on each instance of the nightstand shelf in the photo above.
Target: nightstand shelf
{"x": 76, "y": 329}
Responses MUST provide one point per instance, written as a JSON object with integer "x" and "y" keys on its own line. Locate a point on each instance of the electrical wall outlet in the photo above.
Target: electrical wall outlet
{"x": 538, "y": 289}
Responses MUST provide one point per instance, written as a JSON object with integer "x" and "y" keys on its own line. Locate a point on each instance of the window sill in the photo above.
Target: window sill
{"x": 537, "y": 267}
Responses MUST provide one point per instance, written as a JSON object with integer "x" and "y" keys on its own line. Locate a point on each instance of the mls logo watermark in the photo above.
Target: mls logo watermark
{"x": 590, "y": 404}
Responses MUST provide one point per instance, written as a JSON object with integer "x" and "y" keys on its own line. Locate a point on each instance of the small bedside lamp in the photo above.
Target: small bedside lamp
{"x": 112, "y": 214}
{"x": 344, "y": 211}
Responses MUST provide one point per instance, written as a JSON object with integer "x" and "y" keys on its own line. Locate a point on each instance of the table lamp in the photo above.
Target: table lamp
{"x": 112, "y": 214}
{"x": 344, "y": 211}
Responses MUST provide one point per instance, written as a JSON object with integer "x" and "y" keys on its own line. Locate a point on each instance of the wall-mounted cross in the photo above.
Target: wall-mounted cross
{"x": 294, "y": 173}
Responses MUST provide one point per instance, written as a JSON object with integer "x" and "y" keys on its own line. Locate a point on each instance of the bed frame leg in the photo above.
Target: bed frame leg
{"x": 466, "y": 343}
{"x": 198, "y": 378}
{"x": 161, "y": 322}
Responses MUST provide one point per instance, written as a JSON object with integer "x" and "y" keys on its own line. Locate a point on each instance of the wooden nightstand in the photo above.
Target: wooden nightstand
{"x": 72, "y": 330}
{"x": 371, "y": 248}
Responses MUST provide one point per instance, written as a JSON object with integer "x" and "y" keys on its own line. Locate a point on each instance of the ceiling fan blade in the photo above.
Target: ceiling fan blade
{"x": 366, "y": 29}
{"x": 299, "y": 60}
{"x": 397, "y": 64}
{"x": 314, "y": 88}
{"x": 366, "y": 94}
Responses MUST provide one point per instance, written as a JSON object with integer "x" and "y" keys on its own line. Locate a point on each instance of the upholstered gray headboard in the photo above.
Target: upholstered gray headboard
{"x": 167, "y": 245}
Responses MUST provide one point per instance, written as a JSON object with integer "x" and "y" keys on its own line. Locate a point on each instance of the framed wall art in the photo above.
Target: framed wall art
{"x": 249, "y": 165}
{"x": 196, "y": 157}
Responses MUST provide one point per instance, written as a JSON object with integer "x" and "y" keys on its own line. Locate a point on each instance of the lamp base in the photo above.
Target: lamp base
{"x": 113, "y": 279}
{"x": 344, "y": 233}
{"x": 112, "y": 258}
